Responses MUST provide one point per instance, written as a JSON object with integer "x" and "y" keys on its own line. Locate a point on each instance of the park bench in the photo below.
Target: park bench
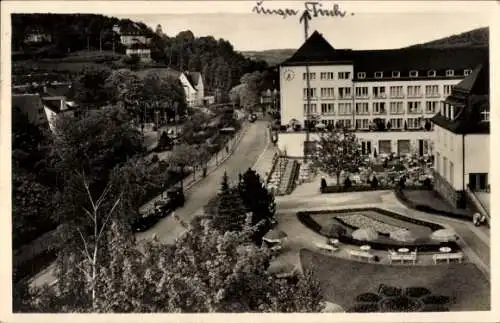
{"x": 395, "y": 256}
{"x": 326, "y": 247}
{"x": 448, "y": 256}
{"x": 361, "y": 254}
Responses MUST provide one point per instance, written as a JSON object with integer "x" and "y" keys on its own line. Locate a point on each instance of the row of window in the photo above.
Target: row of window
{"x": 327, "y": 76}
{"x": 393, "y": 123}
{"x": 448, "y": 111}
{"x": 363, "y": 108}
{"x": 448, "y": 169}
{"x": 413, "y": 91}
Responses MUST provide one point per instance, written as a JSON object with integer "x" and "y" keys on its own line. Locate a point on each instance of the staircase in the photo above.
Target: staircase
{"x": 288, "y": 177}
{"x": 306, "y": 173}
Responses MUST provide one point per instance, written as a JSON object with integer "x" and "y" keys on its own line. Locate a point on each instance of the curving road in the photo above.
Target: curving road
{"x": 167, "y": 230}
{"x": 246, "y": 154}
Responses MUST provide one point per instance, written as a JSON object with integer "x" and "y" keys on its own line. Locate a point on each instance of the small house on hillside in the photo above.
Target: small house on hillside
{"x": 36, "y": 35}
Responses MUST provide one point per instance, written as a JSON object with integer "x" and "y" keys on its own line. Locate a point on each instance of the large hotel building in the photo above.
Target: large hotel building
{"x": 387, "y": 96}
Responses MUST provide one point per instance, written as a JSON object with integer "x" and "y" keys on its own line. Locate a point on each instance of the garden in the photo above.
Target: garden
{"x": 384, "y": 227}
{"x": 380, "y": 288}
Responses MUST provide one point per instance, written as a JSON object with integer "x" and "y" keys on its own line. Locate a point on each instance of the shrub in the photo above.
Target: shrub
{"x": 347, "y": 183}
{"x": 400, "y": 304}
{"x": 364, "y": 308}
{"x": 374, "y": 182}
{"x": 155, "y": 158}
{"x": 368, "y": 297}
{"x": 436, "y": 300}
{"x": 428, "y": 183}
{"x": 435, "y": 308}
{"x": 323, "y": 184}
{"x": 389, "y": 291}
{"x": 417, "y": 291}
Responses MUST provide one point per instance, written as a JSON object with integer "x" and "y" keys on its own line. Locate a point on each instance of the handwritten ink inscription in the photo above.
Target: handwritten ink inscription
{"x": 315, "y": 8}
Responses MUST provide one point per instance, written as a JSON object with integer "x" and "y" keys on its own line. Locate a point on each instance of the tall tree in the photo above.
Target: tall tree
{"x": 90, "y": 87}
{"x": 337, "y": 151}
{"x": 182, "y": 156}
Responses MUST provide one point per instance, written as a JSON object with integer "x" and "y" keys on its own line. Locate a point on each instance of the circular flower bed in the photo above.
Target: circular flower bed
{"x": 393, "y": 299}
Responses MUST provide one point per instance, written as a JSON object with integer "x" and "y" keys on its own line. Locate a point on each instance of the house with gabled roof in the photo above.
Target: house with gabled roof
{"x": 387, "y": 96}
{"x": 462, "y": 142}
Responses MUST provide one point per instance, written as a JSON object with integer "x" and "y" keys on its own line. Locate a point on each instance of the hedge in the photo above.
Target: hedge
{"x": 305, "y": 218}
{"x": 426, "y": 208}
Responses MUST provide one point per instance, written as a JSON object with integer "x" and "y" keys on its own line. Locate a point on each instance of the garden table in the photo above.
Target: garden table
{"x": 445, "y": 249}
{"x": 403, "y": 250}
{"x": 365, "y": 247}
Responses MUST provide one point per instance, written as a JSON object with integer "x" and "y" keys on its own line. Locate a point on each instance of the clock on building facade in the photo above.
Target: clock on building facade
{"x": 289, "y": 75}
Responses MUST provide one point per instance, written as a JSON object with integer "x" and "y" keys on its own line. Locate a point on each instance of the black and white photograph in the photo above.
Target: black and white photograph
{"x": 248, "y": 157}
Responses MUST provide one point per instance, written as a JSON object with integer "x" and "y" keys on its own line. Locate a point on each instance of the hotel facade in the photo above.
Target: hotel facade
{"x": 387, "y": 96}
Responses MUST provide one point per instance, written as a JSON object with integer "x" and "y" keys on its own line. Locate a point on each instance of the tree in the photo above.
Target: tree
{"x": 337, "y": 151}
{"x": 229, "y": 213}
{"x": 125, "y": 88}
{"x": 90, "y": 87}
{"x": 182, "y": 156}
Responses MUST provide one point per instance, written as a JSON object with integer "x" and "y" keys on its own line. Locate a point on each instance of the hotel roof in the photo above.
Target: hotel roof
{"x": 317, "y": 51}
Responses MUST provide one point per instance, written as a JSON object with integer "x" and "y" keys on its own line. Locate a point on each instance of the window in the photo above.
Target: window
{"x": 414, "y": 107}
{"x": 328, "y": 122}
{"x": 361, "y": 75}
{"x": 467, "y": 72}
{"x": 438, "y": 160}
{"x": 326, "y": 75}
{"x": 344, "y": 75}
{"x": 431, "y": 106}
{"x": 395, "y": 74}
{"x": 396, "y": 91}
{"x": 413, "y": 73}
{"x": 396, "y": 123}
{"x": 327, "y": 108}
{"x": 432, "y": 91}
{"x": 345, "y": 109}
{"x": 362, "y": 92}
{"x": 362, "y": 123}
{"x": 379, "y": 75}
{"x": 485, "y": 115}
{"x": 447, "y": 90}
{"x": 450, "y": 73}
{"x": 396, "y": 108}
{"x": 345, "y": 123}
{"x": 311, "y": 110}
{"x": 362, "y": 108}
{"x": 312, "y": 76}
{"x": 344, "y": 92}
{"x": 327, "y": 92}
{"x": 431, "y": 73}
{"x": 379, "y": 108}
{"x": 414, "y": 123}
{"x": 414, "y": 91}
{"x": 312, "y": 93}
{"x": 452, "y": 170}
{"x": 379, "y": 92}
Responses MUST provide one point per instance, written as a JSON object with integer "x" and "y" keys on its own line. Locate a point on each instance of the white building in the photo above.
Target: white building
{"x": 462, "y": 140}
{"x": 387, "y": 96}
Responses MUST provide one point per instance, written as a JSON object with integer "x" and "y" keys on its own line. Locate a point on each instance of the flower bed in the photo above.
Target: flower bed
{"x": 363, "y": 221}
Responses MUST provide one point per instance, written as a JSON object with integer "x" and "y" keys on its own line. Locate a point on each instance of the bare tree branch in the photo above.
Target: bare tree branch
{"x": 92, "y": 218}
{"x": 108, "y": 216}
{"x": 85, "y": 245}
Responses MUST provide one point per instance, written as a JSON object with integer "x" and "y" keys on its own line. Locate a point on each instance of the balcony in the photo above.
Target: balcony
{"x": 380, "y": 96}
{"x": 398, "y": 112}
{"x": 378, "y": 113}
{"x": 363, "y": 96}
{"x": 415, "y": 95}
{"x": 419, "y": 111}
{"x": 362, "y": 113}
{"x": 345, "y": 97}
{"x": 328, "y": 114}
{"x": 312, "y": 98}
{"x": 398, "y": 96}
{"x": 326, "y": 97}
{"x": 432, "y": 95}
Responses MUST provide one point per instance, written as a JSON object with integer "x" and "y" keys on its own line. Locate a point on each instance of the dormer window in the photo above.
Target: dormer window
{"x": 395, "y": 74}
{"x": 467, "y": 72}
{"x": 379, "y": 75}
{"x": 452, "y": 112}
{"x": 450, "y": 73}
{"x": 431, "y": 73}
{"x": 361, "y": 75}
{"x": 413, "y": 73}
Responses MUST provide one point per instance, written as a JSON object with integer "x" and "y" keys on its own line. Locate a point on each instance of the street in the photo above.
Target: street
{"x": 167, "y": 230}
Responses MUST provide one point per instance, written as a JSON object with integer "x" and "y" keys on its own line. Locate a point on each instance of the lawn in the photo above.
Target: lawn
{"x": 432, "y": 199}
{"x": 343, "y": 280}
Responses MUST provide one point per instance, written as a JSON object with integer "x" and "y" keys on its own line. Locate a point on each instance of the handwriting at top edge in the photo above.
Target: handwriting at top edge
{"x": 314, "y": 8}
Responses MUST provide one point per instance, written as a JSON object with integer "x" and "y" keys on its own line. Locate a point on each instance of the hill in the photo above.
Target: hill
{"x": 271, "y": 56}
{"x": 474, "y": 38}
